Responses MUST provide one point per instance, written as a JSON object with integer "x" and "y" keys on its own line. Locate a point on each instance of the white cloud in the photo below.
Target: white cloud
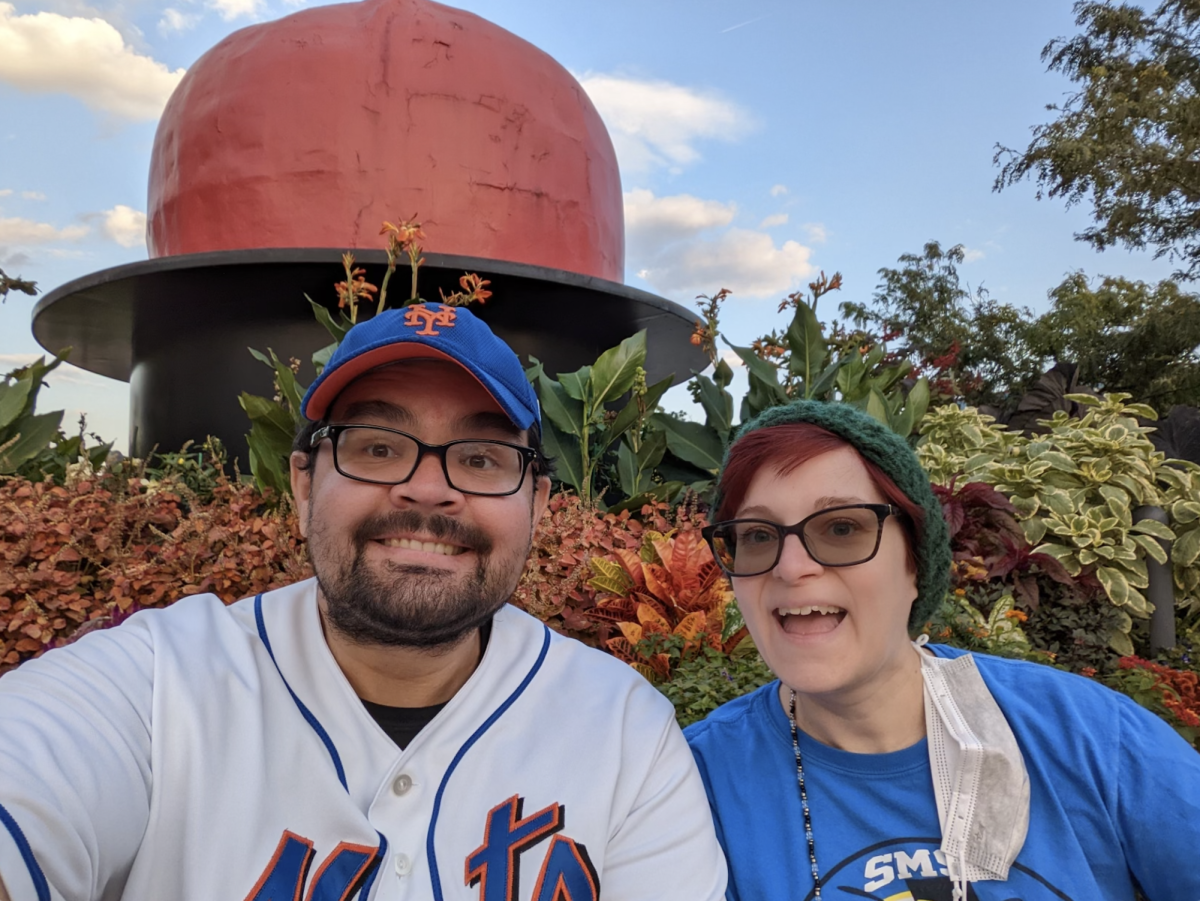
{"x": 746, "y": 262}
{"x": 26, "y": 231}
{"x": 657, "y": 123}
{"x": 666, "y": 245}
{"x": 732, "y": 359}
{"x": 774, "y": 220}
{"x": 33, "y": 195}
{"x": 175, "y": 22}
{"x": 814, "y": 232}
{"x": 778, "y": 190}
{"x": 6, "y": 192}
{"x": 231, "y": 9}
{"x": 970, "y": 254}
{"x": 653, "y": 221}
{"x": 125, "y": 225}
{"x": 85, "y": 58}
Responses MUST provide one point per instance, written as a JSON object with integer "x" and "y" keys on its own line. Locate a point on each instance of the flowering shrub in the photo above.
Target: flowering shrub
{"x": 1172, "y": 694}
{"x": 91, "y": 551}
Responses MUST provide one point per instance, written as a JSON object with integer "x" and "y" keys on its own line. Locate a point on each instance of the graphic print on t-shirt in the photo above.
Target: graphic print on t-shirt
{"x": 914, "y": 869}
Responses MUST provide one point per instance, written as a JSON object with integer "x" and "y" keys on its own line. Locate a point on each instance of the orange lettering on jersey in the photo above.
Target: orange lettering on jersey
{"x": 419, "y": 314}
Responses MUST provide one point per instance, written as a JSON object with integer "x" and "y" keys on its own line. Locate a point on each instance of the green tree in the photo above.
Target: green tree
{"x": 972, "y": 347}
{"x": 1128, "y": 139}
{"x": 1126, "y": 336}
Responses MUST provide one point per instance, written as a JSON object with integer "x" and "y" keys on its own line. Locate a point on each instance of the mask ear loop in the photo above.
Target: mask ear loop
{"x": 960, "y": 884}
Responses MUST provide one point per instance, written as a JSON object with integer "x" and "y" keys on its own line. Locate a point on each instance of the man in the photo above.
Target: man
{"x": 391, "y": 729}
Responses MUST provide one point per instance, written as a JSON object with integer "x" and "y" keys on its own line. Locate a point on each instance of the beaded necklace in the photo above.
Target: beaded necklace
{"x": 808, "y": 830}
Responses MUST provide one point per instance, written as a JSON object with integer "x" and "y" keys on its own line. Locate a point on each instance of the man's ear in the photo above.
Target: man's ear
{"x": 302, "y": 480}
{"x": 541, "y": 497}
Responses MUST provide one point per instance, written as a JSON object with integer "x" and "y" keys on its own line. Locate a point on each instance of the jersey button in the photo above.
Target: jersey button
{"x": 401, "y": 784}
{"x": 403, "y": 865}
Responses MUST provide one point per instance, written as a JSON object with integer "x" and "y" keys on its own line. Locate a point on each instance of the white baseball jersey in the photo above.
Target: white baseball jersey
{"x": 218, "y": 754}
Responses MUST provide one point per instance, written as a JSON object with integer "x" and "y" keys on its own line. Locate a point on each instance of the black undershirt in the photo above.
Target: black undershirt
{"x": 403, "y": 723}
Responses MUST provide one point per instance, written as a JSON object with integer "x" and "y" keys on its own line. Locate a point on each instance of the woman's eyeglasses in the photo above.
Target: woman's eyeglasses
{"x": 837, "y": 536}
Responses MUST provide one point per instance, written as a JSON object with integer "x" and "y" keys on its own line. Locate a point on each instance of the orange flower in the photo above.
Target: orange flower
{"x": 1019, "y": 615}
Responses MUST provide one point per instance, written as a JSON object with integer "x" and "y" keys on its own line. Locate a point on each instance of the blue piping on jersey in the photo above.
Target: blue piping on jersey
{"x": 487, "y": 724}
{"x": 35, "y": 871}
{"x": 365, "y": 891}
{"x": 304, "y": 711}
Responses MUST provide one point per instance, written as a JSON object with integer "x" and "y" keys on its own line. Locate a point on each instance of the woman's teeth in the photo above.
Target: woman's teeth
{"x": 811, "y": 608}
{"x": 429, "y": 547}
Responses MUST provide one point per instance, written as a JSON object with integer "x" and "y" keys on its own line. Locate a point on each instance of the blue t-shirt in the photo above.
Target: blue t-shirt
{"x": 1115, "y": 797}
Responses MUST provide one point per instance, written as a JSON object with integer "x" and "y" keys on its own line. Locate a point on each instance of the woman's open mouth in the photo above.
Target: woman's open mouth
{"x": 810, "y": 619}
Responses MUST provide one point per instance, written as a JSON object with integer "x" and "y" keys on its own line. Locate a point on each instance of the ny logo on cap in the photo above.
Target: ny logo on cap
{"x": 419, "y": 314}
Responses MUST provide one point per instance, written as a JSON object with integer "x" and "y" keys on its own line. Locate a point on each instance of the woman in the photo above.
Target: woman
{"x": 878, "y": 768}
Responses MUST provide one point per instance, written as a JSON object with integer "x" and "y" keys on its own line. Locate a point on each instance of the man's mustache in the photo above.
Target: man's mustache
{"x": 435, "y": 525}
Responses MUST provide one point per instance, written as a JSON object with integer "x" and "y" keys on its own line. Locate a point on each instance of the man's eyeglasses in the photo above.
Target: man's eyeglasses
{"x": 389, "y": 457}
{"x": 837, "y": 536}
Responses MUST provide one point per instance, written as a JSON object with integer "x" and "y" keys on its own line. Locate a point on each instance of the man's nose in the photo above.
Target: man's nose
{"x": 428, "y": 486}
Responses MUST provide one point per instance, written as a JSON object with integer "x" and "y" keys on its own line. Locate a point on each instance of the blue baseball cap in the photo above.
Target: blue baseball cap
{"x": 429, "y": 331}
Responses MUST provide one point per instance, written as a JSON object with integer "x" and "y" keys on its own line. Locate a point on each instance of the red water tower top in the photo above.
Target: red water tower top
{"x": 311, "y": 130}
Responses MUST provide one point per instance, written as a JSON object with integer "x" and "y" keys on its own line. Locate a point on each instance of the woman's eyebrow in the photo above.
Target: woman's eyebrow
{"x": 836, "y": 501}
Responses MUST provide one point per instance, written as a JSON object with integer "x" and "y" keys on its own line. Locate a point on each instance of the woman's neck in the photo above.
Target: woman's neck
{"x": 886, "y": 714}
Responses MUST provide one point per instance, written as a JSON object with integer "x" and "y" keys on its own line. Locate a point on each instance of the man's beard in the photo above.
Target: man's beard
{"x": 406, "y": 605}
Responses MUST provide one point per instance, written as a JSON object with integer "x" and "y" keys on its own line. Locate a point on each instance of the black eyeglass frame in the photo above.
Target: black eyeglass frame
{"x": 881, "y": 511}
{"x": 333, "y": 431}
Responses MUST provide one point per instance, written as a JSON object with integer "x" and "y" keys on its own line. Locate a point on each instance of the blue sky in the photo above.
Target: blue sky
{"x": 759, "y": 142}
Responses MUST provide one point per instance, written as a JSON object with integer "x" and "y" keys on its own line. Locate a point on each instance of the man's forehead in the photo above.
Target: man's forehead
{"x": 398, "y": 415}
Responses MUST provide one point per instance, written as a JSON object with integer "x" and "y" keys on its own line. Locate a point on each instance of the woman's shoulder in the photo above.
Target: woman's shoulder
{"x": 733, "y": 719}
{"x": 1039, "y": 693}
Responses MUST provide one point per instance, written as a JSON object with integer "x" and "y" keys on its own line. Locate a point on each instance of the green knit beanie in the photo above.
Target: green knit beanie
{"x": 891, "y": 453}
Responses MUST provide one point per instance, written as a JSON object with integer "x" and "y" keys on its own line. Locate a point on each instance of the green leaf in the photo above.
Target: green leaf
{"x": 36, "y": 433}
{"x": 1115, "y": 585}
{"x": 1186, "y": 549}
{"x": 534, "y": 369}
{"x": 320, "y": 359}
{"x": 629, "y": 413}
{"x": 12, "y": 400}
{"x": 760, "y": 371}
{"x": 629, "y": 474}
{"x": 806, "y": 340}
{"x": 1152, "y": 548}
{"x": 1155, "y": 528}
{"x": 722, "y": 374}
{"x": 825, "y": 381}
{"x": 564, "y": 450}
{"x": 562, "y": 409}
{"x": 692, "y": 442}
{"x": 717, "y": 404}
{"x": 613, "y": 373}
{"x": 877, "y": 406}
{"x": 337, "y": 330}
{"x": 576, "y": 382}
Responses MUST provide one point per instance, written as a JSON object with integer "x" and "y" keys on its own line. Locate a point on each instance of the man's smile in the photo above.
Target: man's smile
{"x": 428, "y": 547}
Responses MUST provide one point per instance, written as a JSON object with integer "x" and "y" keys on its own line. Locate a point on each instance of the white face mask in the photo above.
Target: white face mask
{"x": 979, "y": 775}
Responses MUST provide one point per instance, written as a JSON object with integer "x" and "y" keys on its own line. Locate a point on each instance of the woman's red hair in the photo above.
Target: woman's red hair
{"x": 786, "y": 447}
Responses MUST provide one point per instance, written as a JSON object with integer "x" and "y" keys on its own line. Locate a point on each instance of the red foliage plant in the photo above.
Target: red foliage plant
{"x": 83, "y": 556}
{"x": 554, "y": 586}
{"x": 989, "y": 544}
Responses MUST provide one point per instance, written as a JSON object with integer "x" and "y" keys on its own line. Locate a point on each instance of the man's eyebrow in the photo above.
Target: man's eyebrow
{"x": 487, "y": 422}
{"x": 378, "y": 409}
